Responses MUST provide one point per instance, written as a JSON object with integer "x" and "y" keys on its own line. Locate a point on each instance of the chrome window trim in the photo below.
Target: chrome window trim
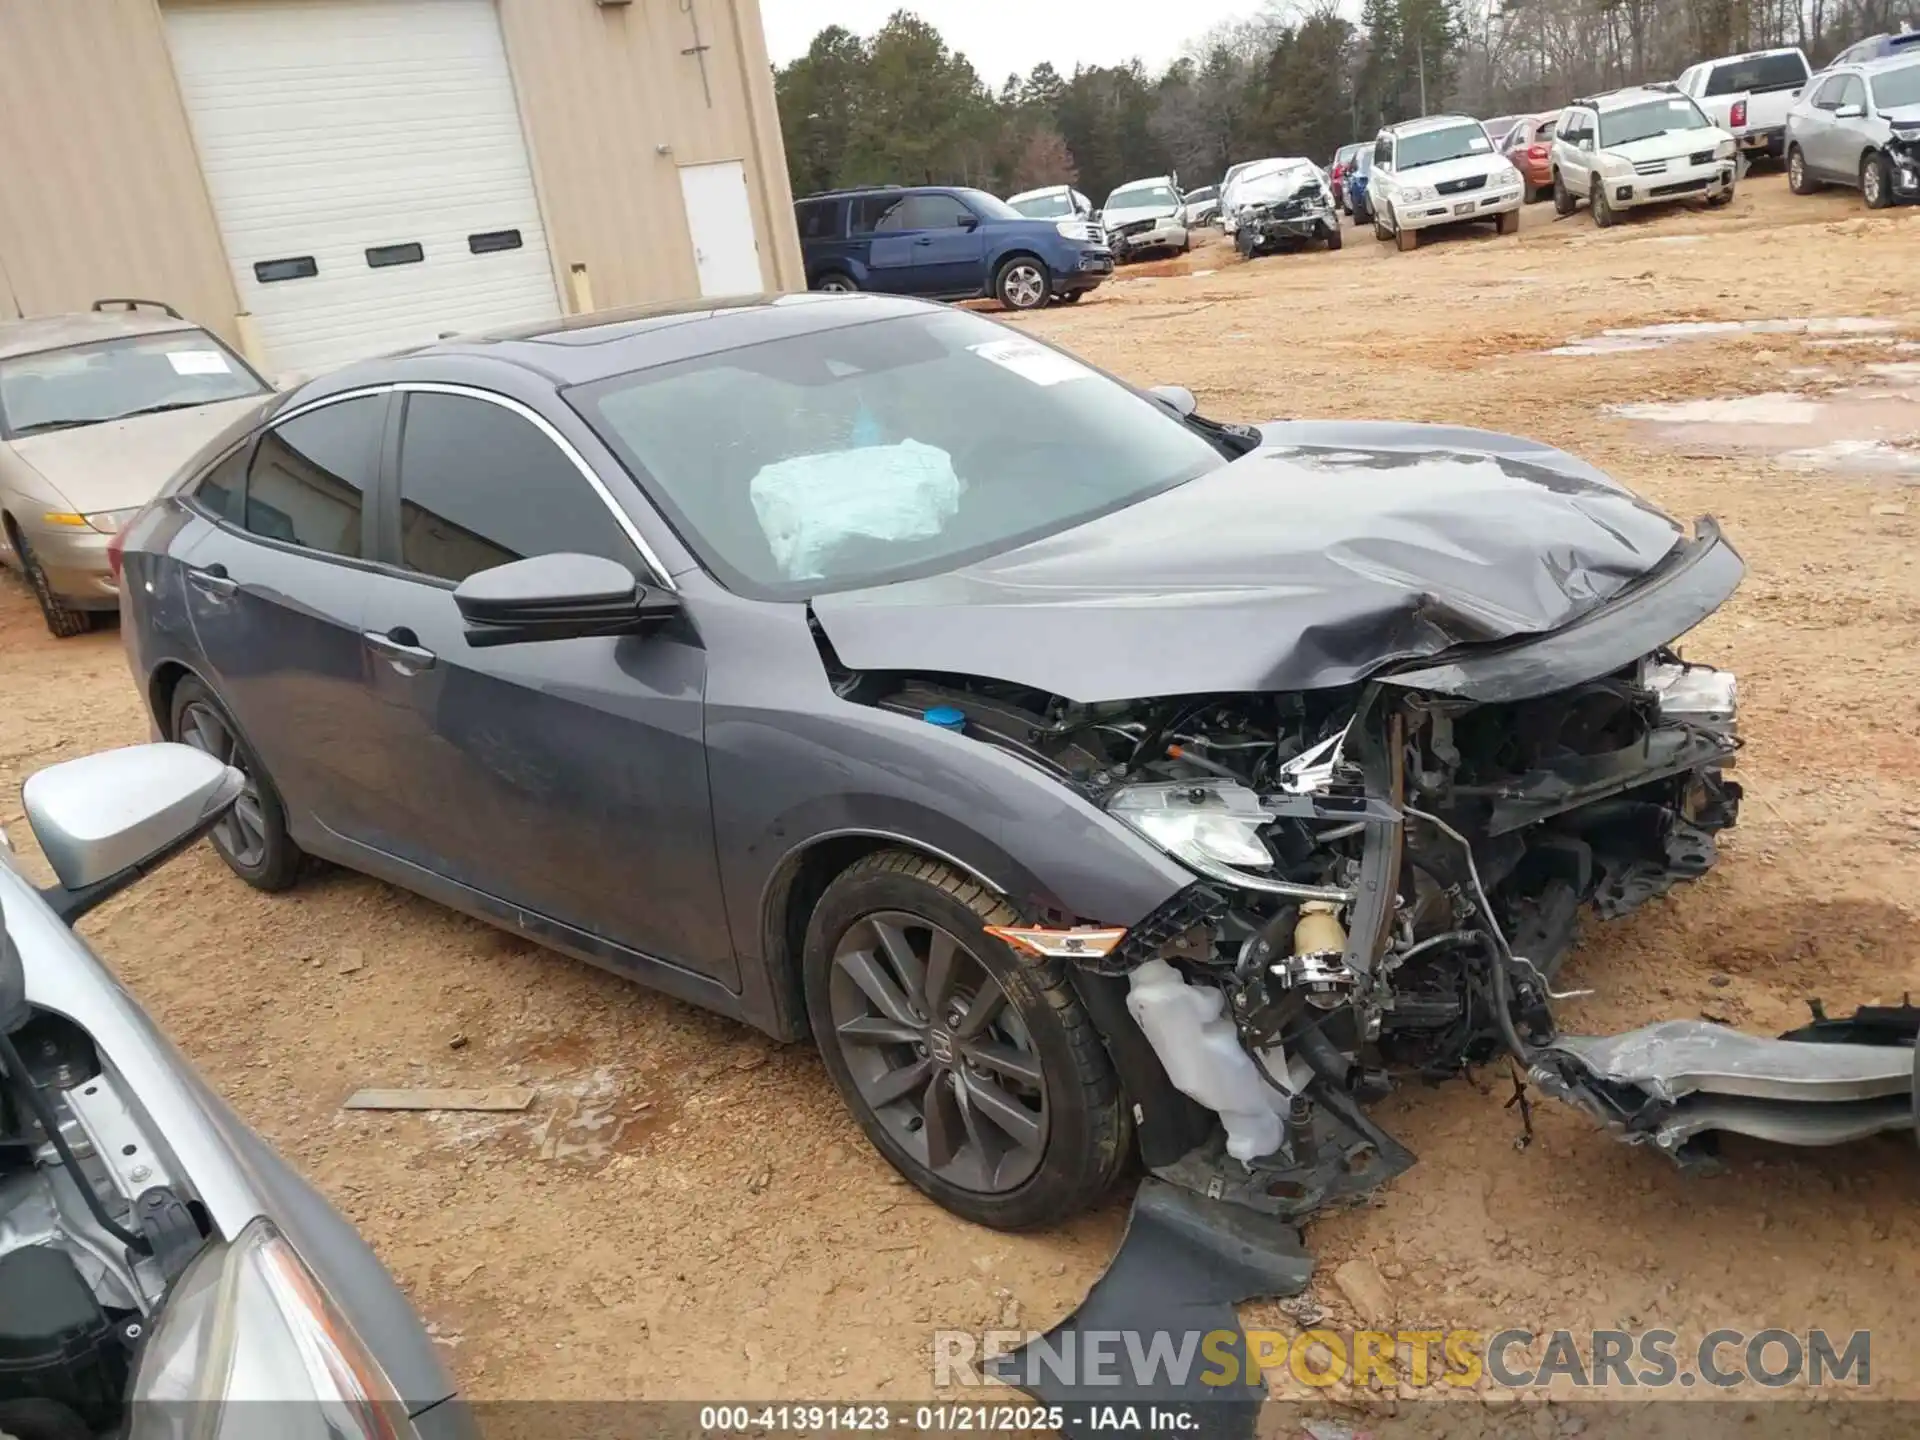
{"x": 660, "y": 575}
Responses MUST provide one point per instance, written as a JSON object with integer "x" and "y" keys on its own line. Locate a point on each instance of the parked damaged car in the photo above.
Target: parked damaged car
{"x": 1083, "y": 775}
{"x": 1282, "y": 204}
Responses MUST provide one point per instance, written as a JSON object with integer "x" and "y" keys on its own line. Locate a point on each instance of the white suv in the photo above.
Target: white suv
{"x": 1638, "y": 147}
{"x": 1440, "y": 170}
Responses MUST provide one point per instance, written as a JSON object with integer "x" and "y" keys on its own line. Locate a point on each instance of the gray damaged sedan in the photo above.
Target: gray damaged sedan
{"x": 165, "y": 1272}
{"x": 1085, "y": 776}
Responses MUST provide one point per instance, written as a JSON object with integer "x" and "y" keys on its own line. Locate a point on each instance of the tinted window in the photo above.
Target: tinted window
{"x": 817, "y": 219}
{"x": 310, "y": 475}
{"x": 222, "y": 488}
{"x": 864, "y": 211}
{"x": 480, "y": 486}
{"x": 925, "y": 212}
{"x": 1758, "y": 73}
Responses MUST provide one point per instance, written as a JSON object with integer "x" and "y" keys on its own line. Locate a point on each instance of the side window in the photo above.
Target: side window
{"x": 1854, "y": 92}
{"x": 310, "y": 476}
{"x": 925, "y": 212}
{"x": 222, "y": 490}
{"x": 480, "y": 486}
{"x": 817, "y": 219}
{"x": 1383, "y": 151}
{"x": 1827, "y": 97}
{"x": 864, "y": 212}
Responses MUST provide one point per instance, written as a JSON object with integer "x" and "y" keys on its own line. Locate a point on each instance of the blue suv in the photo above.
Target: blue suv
{"x": 947, "y": 243}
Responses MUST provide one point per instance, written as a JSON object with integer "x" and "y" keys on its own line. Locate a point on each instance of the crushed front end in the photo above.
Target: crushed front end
{"x": 1903, "y": 159}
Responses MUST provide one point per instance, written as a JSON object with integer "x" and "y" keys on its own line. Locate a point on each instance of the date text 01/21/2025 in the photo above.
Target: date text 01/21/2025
{"x": 935, "y": 1419}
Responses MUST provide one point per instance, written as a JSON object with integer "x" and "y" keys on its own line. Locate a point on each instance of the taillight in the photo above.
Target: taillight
{"x": 115, "y": 542}
{"x": 1739, "y": 113}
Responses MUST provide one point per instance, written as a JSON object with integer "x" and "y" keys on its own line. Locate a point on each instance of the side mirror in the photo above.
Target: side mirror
{"x": 558, "y": 597}
{"x": 1176, "y": 398}
{"x": 969, "y": 221}
{"x": 1850, "y": 112}
{"x": 105, "y": 820}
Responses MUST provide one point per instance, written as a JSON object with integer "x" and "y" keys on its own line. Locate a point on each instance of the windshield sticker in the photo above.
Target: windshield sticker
{"x": 1032, "y": 362}
{"x": 198, "y": 362}
{"x": 1478, "y": 143}
{"x": 1680, "y": 107}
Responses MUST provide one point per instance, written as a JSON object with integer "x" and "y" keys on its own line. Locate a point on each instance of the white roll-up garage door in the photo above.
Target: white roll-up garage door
{"x": 367, "y": 168}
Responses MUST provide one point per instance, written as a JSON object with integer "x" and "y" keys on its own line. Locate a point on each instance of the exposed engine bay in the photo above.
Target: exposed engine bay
{"x": 1389, "y": 881}
{"x": 1280, "y": 206}
{"x": 75, "y": 1297}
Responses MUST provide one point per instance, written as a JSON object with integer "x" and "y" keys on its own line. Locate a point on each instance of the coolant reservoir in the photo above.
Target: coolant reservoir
{"x": 1197, "y": 1043}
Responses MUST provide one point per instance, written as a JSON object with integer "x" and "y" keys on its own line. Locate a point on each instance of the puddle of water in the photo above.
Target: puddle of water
{"x": 1675, "y": 332}
{"x": 1860, "y": 430}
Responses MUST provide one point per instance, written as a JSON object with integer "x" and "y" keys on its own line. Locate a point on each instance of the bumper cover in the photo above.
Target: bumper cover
{"x": 1453, "y": 209}
{"x": 74, "y": 559}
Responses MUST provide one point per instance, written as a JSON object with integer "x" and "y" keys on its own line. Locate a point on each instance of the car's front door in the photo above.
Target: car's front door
{"x": 567, "y": 778}
{"x": 1852, "y": 133}
{"x": 928, "y": 243}
{"x": 274, "y": 594}
{"x": 1815, "y": 126}
{"x": 1573, "y": 153}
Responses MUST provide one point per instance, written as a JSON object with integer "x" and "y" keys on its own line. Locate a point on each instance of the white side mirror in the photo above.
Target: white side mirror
{"x": 104, "y": 820}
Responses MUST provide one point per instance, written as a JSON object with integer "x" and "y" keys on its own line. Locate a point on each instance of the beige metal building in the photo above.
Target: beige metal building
{"x": 320, "y": 180}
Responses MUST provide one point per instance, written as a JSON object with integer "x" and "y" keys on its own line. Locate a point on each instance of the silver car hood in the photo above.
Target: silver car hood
{"x": 123, "y": 463}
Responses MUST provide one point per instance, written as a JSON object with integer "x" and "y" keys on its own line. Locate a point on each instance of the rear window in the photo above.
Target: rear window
{"x": 819, "y": 219}
{"x": 1760, "y": 74}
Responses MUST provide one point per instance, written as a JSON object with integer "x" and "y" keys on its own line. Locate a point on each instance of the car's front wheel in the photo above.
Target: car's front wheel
{"x": 1023, "y": 283}
{"x": 63, "y": 621}
{"x": 1597, "y": 202}
{"x": 837, "y": 282}
{"x": 1876, "y": 181}
{"x": 253, "y": 837}
{"x": 972, "y": 1069}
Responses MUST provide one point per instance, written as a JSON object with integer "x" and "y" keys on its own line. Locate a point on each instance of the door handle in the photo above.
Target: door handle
{"x": 214, "y": 581}
{"x": 400, "y": 649}
{"x": 924, "y": 240}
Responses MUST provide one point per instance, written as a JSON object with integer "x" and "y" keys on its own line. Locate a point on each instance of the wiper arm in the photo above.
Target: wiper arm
{"x": 47, "y": 427}
{"x": 158, "y": 409}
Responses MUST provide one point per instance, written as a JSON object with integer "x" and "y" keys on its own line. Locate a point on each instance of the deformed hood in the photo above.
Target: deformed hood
{"x": 1334, "y": 549}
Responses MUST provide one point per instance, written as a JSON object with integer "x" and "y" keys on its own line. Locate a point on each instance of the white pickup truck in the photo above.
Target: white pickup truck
{"x": 1749, "y": 95}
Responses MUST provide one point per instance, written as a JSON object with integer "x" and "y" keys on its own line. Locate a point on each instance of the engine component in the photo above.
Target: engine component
{"x": 56, "y": 1344}
{"x": 1200, "y": 1048}
{"x": 1318, "y": 931}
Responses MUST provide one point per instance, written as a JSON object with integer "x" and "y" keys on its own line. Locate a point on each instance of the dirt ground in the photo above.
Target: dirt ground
{"x": 687, "y": 1212}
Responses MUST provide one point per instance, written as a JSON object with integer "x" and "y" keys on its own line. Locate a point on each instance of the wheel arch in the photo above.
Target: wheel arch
{"x": 160, "y": 688}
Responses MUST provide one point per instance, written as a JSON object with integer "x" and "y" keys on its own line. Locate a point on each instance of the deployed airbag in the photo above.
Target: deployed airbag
{"x": 808, "y": 504}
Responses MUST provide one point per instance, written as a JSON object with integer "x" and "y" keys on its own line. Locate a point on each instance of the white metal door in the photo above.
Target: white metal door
{"x": 367, "y": 168}
{"x": 720, "y": 222}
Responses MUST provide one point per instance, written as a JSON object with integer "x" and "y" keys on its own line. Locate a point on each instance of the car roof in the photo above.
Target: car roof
{"x": 1627, "y": 95}
{"x": 57, "y": 332}
{"x": 1043, "y": 190}
{"x": 579, "y": 349}
{"x": 1147, "y": 180}
{"x": 1880, "y": 64}
{"x": 1429, "y": 122}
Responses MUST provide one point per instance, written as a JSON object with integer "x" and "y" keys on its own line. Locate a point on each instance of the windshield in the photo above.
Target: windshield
{"x": 1894, "y": 88}
{"x": 1139, "y": 197}
{"x": 1044, "y": 207}
{"x": 1643, "y": 122}
{"x": 1430, "y": 147}
{"x": 113, "y": 379}
{"x": 883, "y": 450}
{"x": 1202, "y": 195}
{"x": 989, "y": 207}
{"x": 1758, "y": 74}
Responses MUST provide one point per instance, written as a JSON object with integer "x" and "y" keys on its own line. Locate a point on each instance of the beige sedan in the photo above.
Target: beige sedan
{"x": 97, "y": 411}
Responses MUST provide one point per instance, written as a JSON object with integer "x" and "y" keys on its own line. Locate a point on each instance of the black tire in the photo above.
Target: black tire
{"x": 1380, "y": 230}
{"x": 1023, "y": 283}
{"x": 1085, "y": 1130}
{"x": 1722, "y": 200}
{"x": 1507, "y": 224}
{"x": 1333, "y": 236}
{"x": 1800, "y": 179}
{"x": 1563, "y": 201}
{"x": 1876, "y": 180}
{"x": 63, "y": 621}
{"x": 200, "y": 720}
{"x": 1070, "y": 297}
{"x": 838, "y": 281}
{"x": 1597, "y": 202}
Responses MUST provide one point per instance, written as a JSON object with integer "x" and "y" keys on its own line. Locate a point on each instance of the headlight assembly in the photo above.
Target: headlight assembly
{"x": 1418, "y": 193}
{"x": 1207, "y": 825}
{"x": 1724, "y": 150}
{"x": 248, "y": 1322}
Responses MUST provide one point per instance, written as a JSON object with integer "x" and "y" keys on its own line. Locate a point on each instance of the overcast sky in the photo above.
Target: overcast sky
{"x": 1004, "y": 37}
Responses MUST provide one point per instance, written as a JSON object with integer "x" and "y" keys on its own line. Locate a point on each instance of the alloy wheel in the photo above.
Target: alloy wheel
{"x": 937, "y": 1054}
{"x": 1024, "y": 287}
{"x": 242, "y": 833}
{"x": 1870, "y": 182}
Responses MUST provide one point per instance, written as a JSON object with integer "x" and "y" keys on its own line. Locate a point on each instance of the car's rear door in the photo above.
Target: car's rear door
{"x": 567, "y": 778}
{"x": 274, "y": 588}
